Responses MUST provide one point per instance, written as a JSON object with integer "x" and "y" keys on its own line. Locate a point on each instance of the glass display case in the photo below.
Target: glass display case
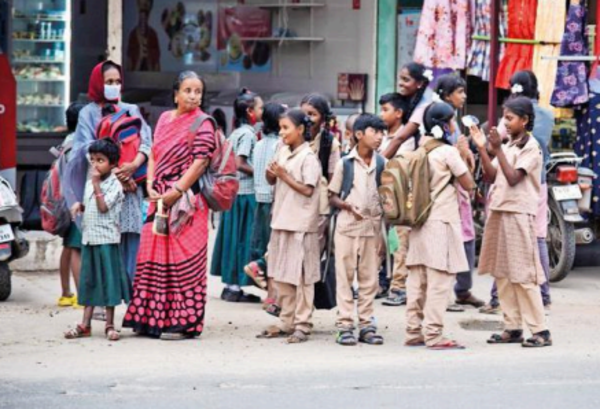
{"x": 40, "y": 57}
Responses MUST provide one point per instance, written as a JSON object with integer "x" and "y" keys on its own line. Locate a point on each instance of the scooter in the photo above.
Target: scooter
{"x": 569, "y": 198}
{"x": 13, "y": 244}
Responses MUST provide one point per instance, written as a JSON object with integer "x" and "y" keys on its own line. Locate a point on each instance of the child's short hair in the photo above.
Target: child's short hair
{"x": 522, "y": 107}
{"x": 72, "y": 115}
{"x": 108, "y": 148}
{"x": 447, "y": 84}
{"x": 396, "y": 100}
{"x": 271, "y": 115}
{"x": 365, "y": 121}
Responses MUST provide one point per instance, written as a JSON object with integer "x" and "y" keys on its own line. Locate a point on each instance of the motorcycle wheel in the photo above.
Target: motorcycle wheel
{"x": 5, "y": 284}
{"x": 561, "y": 244}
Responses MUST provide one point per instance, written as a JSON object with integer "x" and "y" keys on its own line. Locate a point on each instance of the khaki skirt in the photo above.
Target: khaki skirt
{"x": 510, "y": 248}
{"x": 292, "y": 254}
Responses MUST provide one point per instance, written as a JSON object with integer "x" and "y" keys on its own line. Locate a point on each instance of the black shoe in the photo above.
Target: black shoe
{"x": 230, "y": 295}
{"x": 395, "y": 299}
{"x": 249, "y": 298}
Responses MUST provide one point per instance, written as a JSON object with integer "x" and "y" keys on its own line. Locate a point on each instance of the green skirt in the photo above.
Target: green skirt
{"x": 232, "y": 246}
{"x": 103, "y": 281}
{"x": 73, "y": 238}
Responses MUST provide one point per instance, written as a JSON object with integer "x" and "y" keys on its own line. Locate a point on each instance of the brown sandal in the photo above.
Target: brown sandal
{"x": 111, "y": 333}
{"x": 272, "y": 332}
{"x": 297, "y": 337}
{"x": 79, "y": 332}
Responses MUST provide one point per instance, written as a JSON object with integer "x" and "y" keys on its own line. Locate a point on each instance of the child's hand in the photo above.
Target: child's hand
{"x": 355, "y": 212}
{"x": 278, "y": 170}
{"x": 76, "y": 210}
{"x": 477, "y": 136}
{"x": 96, "y": 176}
{"x": 495, "y": 140}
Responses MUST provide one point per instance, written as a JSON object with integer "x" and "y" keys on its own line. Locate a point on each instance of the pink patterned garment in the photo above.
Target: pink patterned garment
{"x": 444, "y": 34}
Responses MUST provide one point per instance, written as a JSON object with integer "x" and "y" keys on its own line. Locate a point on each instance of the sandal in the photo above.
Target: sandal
{"x": 272, "y": 332}
{"x": 471, "y": 300}
{"x": 111, "y": 333}
{"x": 272, "y": 308}
{"x": 455, "y": 308}
{"x": 253, "y": 271}
{"x": 413, "y": 344}
{"x": 297, "y": 337}
{"x": 346, "y": 338}
{"x": 507, "y": 337}
{"x": 368, "y": 335}
{"x": 446, "y": 344}
{"x": 175, "y": 336}
{"x": 79, "y": 332}
{"x": 539, "y": 340}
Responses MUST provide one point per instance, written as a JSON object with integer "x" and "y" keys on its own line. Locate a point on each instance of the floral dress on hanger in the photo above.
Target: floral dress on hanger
{"x": 479, "y": 57}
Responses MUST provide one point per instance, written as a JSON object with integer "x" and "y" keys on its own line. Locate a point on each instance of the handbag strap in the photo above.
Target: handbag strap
{"x": 159, "y": 207}
{"x": 331, "y": 233}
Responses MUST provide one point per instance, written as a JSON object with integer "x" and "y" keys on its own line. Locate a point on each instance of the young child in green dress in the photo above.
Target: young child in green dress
{"x": 103, "y": 281}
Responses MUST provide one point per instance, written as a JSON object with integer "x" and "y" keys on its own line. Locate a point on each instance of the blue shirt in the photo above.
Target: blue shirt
{"x": 243, "y": 140}
{"x": 542, "y": 132}
{"x": 263, "y": 154}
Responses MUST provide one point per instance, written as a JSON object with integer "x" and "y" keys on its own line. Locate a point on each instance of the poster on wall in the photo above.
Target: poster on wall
{"x": 169, "y": 36}
{"x": 408, "y": 28}
{"x": 237, "y": 54}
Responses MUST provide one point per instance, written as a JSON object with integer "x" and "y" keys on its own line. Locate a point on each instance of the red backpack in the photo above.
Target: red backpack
{"x": 125, "y": 129}
{"x": 55, "y": 214}
{"x": 219, "y": 183}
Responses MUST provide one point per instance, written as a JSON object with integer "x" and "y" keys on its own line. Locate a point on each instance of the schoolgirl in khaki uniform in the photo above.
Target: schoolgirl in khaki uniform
{"x": 293, "y": 251}
{"x": 509, "y": 251}
{"x": 436, "y": 253}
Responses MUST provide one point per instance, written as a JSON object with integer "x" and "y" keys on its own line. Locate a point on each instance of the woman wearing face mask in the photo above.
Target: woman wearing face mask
{"x": 105, "y": 94}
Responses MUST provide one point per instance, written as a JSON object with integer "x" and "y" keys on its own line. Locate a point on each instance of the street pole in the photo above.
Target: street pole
{"x": 115, "y": 31}
{"x": 494, "y": 57}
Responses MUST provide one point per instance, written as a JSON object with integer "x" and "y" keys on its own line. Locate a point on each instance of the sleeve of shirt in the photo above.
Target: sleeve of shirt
{"x": 335, "y": 154}
{"x": 146, "y": 134}
{"x": 418, "y": 114}
{"x": 311, "y": 171}
{"x": 245, "y": 144}
{"x": 529, "y": 158}
{"x": 113, "y": 194}
{"x": 335, "y": 185}
{"x": 455, "y": 163}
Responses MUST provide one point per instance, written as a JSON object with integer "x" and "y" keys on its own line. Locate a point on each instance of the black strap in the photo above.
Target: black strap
{"x": 348, "y": 177}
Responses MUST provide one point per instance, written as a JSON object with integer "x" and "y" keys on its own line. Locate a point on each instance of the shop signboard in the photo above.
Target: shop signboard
{"x": 163, "y": 35}
{"x": 239, "y": 34}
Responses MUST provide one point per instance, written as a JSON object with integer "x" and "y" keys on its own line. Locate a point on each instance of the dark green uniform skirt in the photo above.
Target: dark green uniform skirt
{"x": 103, "y": 281}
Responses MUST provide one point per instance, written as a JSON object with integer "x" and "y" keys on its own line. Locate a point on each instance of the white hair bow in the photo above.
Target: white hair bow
{"x": 437, "y": 132}
{"x": 517, "y": 89}
{"x": 428, "y": 74}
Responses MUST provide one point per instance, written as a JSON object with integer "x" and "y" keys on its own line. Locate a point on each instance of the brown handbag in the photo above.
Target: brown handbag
{"x": 160, "y": 227}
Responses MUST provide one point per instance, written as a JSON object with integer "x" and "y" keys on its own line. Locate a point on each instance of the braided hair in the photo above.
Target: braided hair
{"x": 298, "y": 118}
{"x": 246, "y": 99}
{"x": 321, "y": 104}
{"x": 417, "y": 72}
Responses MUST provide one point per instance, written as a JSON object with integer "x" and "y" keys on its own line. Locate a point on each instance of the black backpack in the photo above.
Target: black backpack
{"x": 31, "y": 198}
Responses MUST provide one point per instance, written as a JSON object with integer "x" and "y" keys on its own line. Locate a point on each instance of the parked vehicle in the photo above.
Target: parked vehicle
{"x": 569, "y": 205}
{"x": 13, "y": 244}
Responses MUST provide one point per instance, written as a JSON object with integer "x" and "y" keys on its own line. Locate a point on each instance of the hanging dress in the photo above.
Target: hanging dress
{"x": 444, "y": 34}
{"x": 521, "y": 25}
{"x": 478, "y": 64}
{"x": 587, "y": 144}
{"x": 571, "y": 86}
{"x": 548, "y": 28}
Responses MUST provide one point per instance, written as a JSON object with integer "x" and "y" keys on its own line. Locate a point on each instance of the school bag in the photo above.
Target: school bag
{"x": 405, "y": 193}
{"x": 126, "y": 130}
{"x": 325, "y": 289}
{"x": 219, "y": 183}
{"x": 54, "y": 212}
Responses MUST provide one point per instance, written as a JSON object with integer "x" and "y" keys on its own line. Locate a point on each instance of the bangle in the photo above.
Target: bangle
{"x": 178, "y": 188}
{"x": 99, "y": 194}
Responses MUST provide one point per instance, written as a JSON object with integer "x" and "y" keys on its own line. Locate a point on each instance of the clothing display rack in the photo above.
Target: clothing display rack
{"x": 578, "y": 58}
{"x": 515, "y": 40}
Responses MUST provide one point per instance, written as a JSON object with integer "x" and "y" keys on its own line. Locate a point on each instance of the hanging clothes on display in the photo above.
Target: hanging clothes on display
{"x": 521, "y": 25}
{"x": 587, "y": 144}
{"x": 479, "y": 56}
{"x": 595, "y": 72}
{"x": 549, "y": 28}
{"x": 571, "y": 86}
{"x": 444, "y": 34}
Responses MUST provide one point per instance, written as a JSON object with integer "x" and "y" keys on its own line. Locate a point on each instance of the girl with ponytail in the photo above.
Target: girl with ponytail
{"x": 413, "y": 83}
{"x": 509, "y": 239}
{"x": 235, "y": 227}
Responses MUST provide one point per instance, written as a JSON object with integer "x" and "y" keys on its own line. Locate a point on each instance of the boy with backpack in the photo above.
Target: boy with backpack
{"x": 353, "y": 192}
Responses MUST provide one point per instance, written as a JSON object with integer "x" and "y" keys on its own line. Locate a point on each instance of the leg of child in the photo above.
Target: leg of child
{"x": 305, "y": 300}
{"x": 87, "y": 317}
{"x": 509, "y": 303}
{"x": 65, "y": 267}
{"x": 531, "y": 306}
{"x": 110, "y": 331}
{"x": 368, "y": 263}
{"x": 76, "y": 266}
{"x": 416, "y": 286}
{"x": 287, "y": 299}
{"x": 397, "y": 294}
{"x": 439, "y": 286}
{"x": 545, "y": 260}
{"x": 346, "y": 257}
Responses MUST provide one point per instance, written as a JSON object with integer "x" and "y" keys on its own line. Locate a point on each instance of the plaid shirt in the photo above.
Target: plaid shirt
{"x": 263, "y": 154}
{"x": 243, "y": 140}
{"x": 102, "y": 228}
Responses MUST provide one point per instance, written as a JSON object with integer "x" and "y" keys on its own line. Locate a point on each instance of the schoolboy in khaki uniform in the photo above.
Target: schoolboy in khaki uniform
{"x": 358, "y": 231}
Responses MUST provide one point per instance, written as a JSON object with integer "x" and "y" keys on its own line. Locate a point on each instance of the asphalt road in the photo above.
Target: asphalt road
{"x": 229, "y": 368}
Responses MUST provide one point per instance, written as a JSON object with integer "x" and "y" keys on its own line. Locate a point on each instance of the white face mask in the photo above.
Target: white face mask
{"x": 112, "y": 92}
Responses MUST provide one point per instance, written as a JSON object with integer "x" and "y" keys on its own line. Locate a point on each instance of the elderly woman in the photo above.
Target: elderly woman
{"x": 105, "y": 92}
{"x": 170, "y": 285}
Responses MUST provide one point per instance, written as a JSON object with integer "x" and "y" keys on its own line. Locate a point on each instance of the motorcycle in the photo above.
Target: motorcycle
{"x": 569, "y": 198}
{"x": 13, "y": 244}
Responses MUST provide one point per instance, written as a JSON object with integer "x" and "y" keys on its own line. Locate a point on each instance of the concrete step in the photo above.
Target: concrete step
{"x": 44, "y": 253}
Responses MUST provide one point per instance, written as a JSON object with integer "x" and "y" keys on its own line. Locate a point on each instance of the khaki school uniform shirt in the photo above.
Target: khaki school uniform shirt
{"x": 363, "y": 195}
{"x": 291, "y": 210}
{"x": 445, "y": 166}
{"x": 522, "y": 198}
